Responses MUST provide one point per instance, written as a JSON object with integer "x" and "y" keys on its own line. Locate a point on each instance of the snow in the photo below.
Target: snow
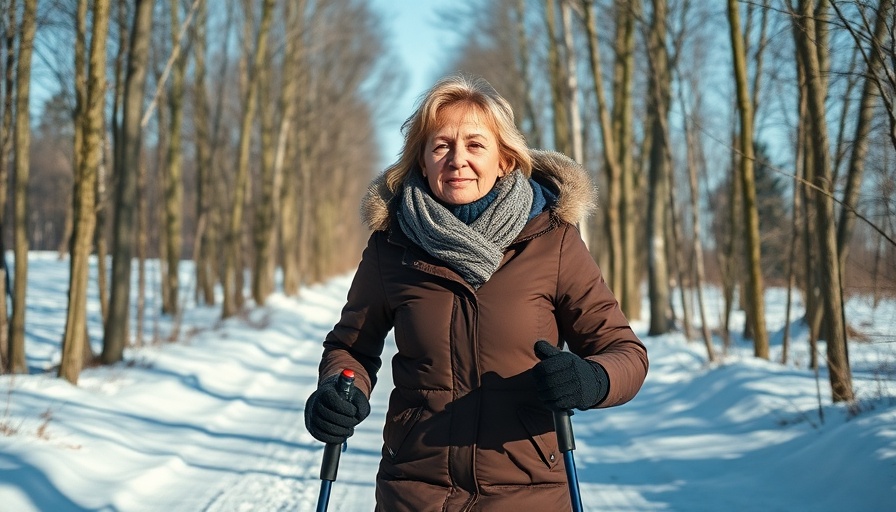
{"x": 213, "y": 422}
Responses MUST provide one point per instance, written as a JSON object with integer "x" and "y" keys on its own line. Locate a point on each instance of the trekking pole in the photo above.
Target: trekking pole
{"x": 566, "y": 443}
{"x": 330, "y": 463}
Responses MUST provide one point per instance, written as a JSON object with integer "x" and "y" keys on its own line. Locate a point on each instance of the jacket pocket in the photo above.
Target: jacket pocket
{"x": 400, "y": 424}
{"x": 539, "y": 424}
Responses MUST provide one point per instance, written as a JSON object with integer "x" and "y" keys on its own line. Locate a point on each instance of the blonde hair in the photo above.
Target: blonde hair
{"x": 452, "y": 90}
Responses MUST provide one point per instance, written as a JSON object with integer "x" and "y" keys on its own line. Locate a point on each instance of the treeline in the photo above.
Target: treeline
{"x": 239, "y": 134}
{"x": 740, "y": 143}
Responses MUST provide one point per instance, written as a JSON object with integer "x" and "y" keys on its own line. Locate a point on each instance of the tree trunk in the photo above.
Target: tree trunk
{"x": 623, "y": 107}
{"x": 658, "y": 103}
{"x": 558, "y": 83}
{"x": 755, "y": 290}
{"x": 84, "y": 193}
{"x": 286, "y": 132}
{"x": 576, "y": 144}
{"x": 699, "y": 273}
{"x": 104, "y": 202}
{"x": 266, "y": 209}
{"x": 676, "y": 252}
{"x": 203, "y": 257}
{"x": 22, "y": 136}
{"x": 611, "y": 158}
{"x": 530, "y": 119}
{"x": 296, "y": 202}
{"x": 837, "y": 353}
{"x": 116, "y": 335}
{"x": 174, "y": 188}
{"x": 6, "y": 140}
{"x": 232, "y": 246}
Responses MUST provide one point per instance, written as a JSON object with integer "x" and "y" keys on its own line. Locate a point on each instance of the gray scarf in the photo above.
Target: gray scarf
{"x": 474, "y": 251}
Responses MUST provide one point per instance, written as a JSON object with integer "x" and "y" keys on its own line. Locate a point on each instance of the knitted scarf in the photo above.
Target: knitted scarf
{"x": 474, "y": 251}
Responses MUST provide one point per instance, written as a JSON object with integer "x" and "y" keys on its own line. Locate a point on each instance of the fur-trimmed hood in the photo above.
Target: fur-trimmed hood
{"x": 576, "y": 196}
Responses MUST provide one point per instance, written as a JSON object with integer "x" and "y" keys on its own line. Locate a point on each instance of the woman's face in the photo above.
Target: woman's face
{"x": 461, "y": 160}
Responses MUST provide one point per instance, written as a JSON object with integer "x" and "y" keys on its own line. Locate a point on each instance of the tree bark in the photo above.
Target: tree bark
{"x": 266, "y": 209}
{"x": 558, "y": 81}
{"x": 6, "y": 144}
{"x": 174, "y": 188}
{"x": 529, "y": 115}
{"x": 233, "y": 293}
{"x": 755, "y": 289}
{"x": 658, "y": 103}
{"x": 84, "y": 193}
{"x": 623, "y": 108}
{"x": 611, "y": 159}
{"x": 697, "y": 247}
{"x": 22, "y": 136}
{"x": 116, "y": 335}
{"x": 837, "y": 353}
{"x": 570, "y": 72}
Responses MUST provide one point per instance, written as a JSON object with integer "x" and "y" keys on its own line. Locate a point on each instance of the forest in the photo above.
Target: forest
{"x": 736, "y": 144}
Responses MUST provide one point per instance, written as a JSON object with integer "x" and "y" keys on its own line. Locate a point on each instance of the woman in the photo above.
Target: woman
{"x": 475, "y": 262}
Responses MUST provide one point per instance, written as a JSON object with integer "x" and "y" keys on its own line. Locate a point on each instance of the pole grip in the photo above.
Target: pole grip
{"x": 330, "y": 464}
{"x": 563, "y": 425}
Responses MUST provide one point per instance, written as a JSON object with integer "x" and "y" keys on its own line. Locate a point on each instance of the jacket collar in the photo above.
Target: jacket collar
{"x": 576, "y": 197}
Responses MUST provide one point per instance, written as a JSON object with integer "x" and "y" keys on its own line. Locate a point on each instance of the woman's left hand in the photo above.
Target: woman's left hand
{"x": 565, "y": 380}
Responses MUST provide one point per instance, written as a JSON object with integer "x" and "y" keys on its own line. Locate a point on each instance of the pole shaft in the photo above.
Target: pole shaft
{"x": 323, "y": 499}
{"x": 566, "y": 443}
{"x": 575, "y": 495}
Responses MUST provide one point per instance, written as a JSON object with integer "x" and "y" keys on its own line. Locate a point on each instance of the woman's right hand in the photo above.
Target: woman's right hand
{"x": 332, "y": 418}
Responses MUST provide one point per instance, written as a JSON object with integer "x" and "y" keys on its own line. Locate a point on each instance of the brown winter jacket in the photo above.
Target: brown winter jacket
{"x": 464, "y": 428}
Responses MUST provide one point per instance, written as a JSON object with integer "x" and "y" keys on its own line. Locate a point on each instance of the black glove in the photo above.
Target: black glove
{"x": 565, "y": 380}
{"x": 329, "y": 417}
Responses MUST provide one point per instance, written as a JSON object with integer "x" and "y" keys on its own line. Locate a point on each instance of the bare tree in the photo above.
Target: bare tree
{"x": 207, "y": 122}
{"x": 233, "y": 293}
{"x": 174, "y": 188}
{"x": 558, "y": 80}
{"x": 22, "y": 134}
{"x": 809, "y": 52}
{"x": 875, "y": 61}
{"x": 267, "y": 206}
{"x": 273, "y": 165}
{"x": 611, "y": 160}
{"x": 748, "y": 187}
{"x": 115, "y": 335}
{"x": 292, "y": 226}
{"x": 623, "y": 125}
{"x": 659, "y": 168}
{"x": 6, "y": 142}
{"x": 90, "y": 116}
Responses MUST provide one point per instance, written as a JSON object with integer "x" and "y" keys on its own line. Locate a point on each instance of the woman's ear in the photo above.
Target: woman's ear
{"x": 506, "y": 165}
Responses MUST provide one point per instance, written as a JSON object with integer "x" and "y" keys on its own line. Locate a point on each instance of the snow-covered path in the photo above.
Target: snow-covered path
{"x": 214, "y": 423}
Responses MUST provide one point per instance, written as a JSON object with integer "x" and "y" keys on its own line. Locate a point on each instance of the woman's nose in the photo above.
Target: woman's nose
{"x": 458, "y": 158}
